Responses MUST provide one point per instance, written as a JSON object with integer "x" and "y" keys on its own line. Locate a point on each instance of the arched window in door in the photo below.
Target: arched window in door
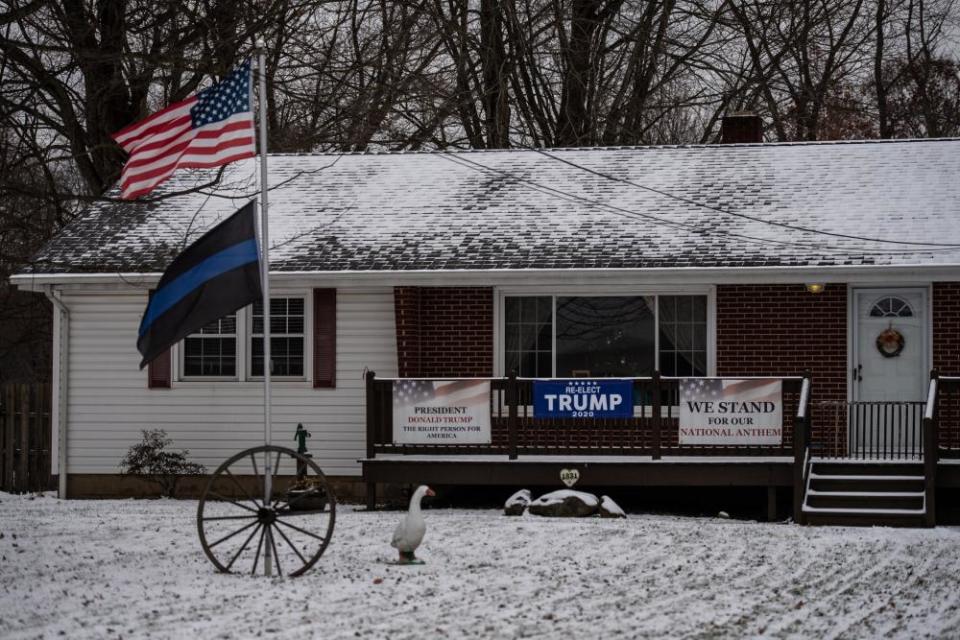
{"x": 891, "y": 307}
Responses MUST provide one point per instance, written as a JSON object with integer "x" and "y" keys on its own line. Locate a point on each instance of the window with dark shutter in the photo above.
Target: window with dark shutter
{"x": 286, "y": 338}
{"x": 211, "y": 352}
{"x": 324, "y": 337}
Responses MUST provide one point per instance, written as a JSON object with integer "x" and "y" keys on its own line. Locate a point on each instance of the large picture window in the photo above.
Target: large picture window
{"x": 605, "y": 336}
{"x": 212, "y": 351}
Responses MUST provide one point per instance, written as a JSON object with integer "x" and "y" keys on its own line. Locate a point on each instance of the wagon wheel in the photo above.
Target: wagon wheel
{"x": 238, "y": 528}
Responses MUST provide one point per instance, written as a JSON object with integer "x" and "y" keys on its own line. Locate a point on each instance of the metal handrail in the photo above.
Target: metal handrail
{"x": 931, "y": 451}
{"x": 931, "y": 399}
{"x": 804, "y": 399}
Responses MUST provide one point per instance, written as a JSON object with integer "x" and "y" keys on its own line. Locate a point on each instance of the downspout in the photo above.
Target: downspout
{"x": 62, "y": 341}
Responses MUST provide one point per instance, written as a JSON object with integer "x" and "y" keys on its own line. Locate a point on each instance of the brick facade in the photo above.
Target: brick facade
{"x": 775, "y": 330}
{"x": 406, "y": 304}
{"x": 783, "y": 330}
{"x": 946, "y": 328}
{"x": 444, "y": 331}
{"x": 946, "y": 356}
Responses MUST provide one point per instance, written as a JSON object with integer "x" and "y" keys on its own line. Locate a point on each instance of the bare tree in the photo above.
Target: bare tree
{"x": 350, "y": 75}
{"x": 802, "y": 53}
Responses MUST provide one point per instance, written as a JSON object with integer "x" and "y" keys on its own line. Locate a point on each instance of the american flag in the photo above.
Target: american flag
{"x": 209, "y": 129}
{"x": 446, "y": 392}
{"x": 410, "y": 392}
{"x": 717, "y": 389}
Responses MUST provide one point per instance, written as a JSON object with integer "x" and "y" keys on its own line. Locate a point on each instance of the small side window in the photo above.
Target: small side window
{"x": 286, "y": 338}
{"x": 212, "y": 351}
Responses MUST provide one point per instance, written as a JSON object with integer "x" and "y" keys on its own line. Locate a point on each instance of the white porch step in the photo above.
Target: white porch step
{"x": 817, "y": 476}
{"x": 918, "y": 459}
{"x": 868, "y": 494}
{"x": 865, "y": 512}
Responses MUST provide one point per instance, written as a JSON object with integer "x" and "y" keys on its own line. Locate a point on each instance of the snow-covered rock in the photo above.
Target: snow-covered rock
{"x": 565, "y": 503}
{"x": 610, "y": 509}
{"x": 517, "y": 503}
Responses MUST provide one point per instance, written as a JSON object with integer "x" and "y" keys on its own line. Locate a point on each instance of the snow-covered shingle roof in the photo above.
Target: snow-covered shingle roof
{"x": 523, "y": 209}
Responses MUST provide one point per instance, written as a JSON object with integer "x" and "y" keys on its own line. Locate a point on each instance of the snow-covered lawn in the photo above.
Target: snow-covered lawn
{"x": 134, "y": 569}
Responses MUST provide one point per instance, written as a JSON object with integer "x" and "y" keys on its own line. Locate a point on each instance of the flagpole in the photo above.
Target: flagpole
{"x": 265, "y": 280}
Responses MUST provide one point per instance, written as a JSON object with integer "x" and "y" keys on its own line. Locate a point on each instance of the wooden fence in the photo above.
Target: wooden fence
{"x": 25, "y": 437}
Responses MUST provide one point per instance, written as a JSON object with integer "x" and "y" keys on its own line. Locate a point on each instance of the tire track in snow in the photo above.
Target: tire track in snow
{"x": 674, "y": 607}
{"x": 937, "y": 598}
{"x": 814, "y": 562}
{"x": 864, "y": 614}
{"x": 859, "y": 576}
{"x": 812, "y": 571}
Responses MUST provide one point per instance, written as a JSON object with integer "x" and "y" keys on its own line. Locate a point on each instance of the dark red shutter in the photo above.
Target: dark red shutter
{"x": 159, "y": 371}
{"x": 324, "y": 337}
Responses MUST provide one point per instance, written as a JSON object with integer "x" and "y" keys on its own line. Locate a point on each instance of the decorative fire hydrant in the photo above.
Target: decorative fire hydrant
{"x": 301, "y": 437}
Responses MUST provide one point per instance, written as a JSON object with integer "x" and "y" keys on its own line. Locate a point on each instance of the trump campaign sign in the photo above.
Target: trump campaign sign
{"x": 582, "y": 398}
{"x": 441, "y": 412}
{"x": 717, "y": 411}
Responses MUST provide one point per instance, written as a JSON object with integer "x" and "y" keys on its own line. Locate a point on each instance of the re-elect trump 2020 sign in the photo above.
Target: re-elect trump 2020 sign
{"x": 582, "y": 398}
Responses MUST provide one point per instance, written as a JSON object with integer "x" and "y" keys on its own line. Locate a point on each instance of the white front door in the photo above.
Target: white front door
{"x": 890, "y": 344}
{"x": 890, "y": 362}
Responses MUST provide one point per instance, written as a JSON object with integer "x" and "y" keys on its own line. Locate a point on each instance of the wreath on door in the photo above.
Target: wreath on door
{"x": 890, "y": 343}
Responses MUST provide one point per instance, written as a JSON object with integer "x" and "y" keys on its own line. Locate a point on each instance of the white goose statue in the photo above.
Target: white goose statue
{"x": 409, "y": 533}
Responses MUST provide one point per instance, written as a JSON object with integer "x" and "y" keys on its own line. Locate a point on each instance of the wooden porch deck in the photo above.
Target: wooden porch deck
{"x": 595, "y": 471}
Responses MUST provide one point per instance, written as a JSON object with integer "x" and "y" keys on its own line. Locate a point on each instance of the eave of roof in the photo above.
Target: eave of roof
{"x": 851, "y": 274}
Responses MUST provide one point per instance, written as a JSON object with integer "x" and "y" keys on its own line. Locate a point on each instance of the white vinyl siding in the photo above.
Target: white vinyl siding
{"x": 109, "y": 402}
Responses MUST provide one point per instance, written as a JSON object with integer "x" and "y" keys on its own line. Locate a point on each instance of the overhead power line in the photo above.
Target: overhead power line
{"x": 463, "y": 160}
{"x": 782, "y": 225}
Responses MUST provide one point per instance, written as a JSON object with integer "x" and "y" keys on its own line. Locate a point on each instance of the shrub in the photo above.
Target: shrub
{"x": 150, "y": 460}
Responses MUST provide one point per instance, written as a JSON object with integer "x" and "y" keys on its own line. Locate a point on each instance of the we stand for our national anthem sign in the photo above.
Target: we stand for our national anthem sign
{"x": 731, "y": 412}
{"x": 441, "y": 412}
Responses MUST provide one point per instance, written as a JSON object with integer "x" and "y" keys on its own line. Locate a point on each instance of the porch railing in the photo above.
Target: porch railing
{"x": 943, "y": 400}
{"x": 943, "y": 410}
{"x": 653, "y": 430}
{"x": 870, "y": 430}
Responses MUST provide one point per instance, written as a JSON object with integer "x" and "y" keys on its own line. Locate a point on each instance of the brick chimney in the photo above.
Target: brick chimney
{"x": 741, "y": 127}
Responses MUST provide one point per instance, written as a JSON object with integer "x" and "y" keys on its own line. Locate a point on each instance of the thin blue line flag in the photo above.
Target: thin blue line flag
{"x": 212, "y": 278}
